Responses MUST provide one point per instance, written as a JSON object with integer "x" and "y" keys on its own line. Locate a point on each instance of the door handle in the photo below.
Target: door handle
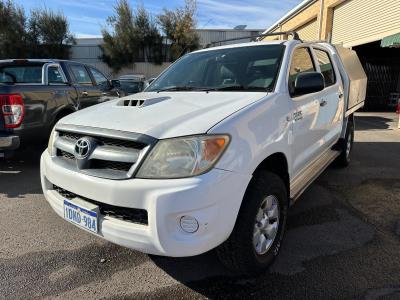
{"x": 323, "y": 103}
{"x": 340, "y": 95}
{"x": 84, "y": 93}
{"x": 104, "y": 93}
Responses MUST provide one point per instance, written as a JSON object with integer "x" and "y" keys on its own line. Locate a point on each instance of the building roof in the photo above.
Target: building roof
{"x": 303, "y": 5}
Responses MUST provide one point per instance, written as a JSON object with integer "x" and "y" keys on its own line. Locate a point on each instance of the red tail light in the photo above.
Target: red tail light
{"x": 13, "y": 110}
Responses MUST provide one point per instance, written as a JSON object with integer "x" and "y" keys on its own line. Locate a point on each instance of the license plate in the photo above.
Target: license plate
{"x": 80, "y": 216}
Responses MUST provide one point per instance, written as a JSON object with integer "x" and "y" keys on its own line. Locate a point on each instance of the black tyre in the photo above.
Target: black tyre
{"x": 346, "y": 147}
{"x": 257, "y": 236}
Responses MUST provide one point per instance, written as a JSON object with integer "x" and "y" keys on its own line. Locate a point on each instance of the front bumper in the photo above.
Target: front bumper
{"x": 213, "y": 199}
{"x": 10, "y": 142}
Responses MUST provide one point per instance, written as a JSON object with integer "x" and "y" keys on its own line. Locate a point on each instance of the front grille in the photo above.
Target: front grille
{"x": 133, "y": 215}
{"x": 110, "y": 165}
{"x": 104, "y": 141}
{"x": 108, "y": 157}
{"x": 66, "y": 154}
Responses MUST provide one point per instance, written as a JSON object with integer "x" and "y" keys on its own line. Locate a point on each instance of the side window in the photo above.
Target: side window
{"x": 325, "y": 64}
{"x": 54, "y": 76}
{"x": 301, "y": 63}
{"x": 81, "y": 75}
{"x": 98, "y": 77}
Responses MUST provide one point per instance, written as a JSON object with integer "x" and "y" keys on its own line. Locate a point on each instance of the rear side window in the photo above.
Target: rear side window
{"x": 23, "y": 73}
{"x": 55, "y": 75}
{"x": 81, "y": 75}
{"x": 301, "y": 63}
{"x": 325, "y": 64}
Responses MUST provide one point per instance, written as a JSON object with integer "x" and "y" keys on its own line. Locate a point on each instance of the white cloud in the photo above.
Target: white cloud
{"x": 255, "y": 14}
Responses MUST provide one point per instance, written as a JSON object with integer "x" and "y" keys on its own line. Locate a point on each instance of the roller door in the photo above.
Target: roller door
{"x": 357, "y": 22}
{"x": 309, "y": 31}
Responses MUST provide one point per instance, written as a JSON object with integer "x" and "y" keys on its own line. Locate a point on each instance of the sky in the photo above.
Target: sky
{"x": 88, "y": 17}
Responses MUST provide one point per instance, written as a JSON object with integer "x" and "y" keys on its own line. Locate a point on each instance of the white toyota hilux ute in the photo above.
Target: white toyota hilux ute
{"x": 211, "y": 154}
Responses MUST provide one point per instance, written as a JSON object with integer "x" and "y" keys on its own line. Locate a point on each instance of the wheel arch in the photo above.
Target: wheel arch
{"x": 276, "y": 163}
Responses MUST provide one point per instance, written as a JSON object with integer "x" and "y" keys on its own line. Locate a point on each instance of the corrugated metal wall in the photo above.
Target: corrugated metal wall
{"x": 309, "y": 31}
{"x": 357, "y": 22}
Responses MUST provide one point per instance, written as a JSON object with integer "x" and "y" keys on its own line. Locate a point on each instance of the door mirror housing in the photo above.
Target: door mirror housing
{"x": 307, "y": 83}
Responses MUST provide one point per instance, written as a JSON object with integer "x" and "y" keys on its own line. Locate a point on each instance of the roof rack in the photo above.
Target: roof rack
{"x": 292, "y": 33}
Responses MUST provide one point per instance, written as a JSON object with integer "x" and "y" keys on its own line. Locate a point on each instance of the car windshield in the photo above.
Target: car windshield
{"x": 248, "y": 68}
{"x": 24, "y": 73}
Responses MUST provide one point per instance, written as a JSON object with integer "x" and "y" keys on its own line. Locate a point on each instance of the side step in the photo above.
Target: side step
{"x": 299, "y": 184}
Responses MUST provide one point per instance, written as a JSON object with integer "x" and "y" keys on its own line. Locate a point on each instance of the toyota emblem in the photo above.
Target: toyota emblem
{"x": 82, "y": 148}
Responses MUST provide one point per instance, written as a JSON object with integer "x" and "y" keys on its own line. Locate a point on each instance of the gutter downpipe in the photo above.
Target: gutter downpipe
{"x": 321, "y": 11}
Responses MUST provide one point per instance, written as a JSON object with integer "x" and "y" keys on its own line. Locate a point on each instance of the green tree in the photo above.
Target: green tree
{"x": 49, "y": 35}
{"x": 12, "y": 31}
{"x": 44, "y": 34}
{"x": 147, "y": 35}
{"x": 134, "y": 36}
{"x": 178, "y": 26}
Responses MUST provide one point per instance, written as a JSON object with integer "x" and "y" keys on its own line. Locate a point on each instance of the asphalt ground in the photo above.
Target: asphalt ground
{"x": 342, "y": 242}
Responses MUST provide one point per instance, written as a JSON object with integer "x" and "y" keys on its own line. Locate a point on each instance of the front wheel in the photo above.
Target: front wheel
{"x": 257, "y": 236}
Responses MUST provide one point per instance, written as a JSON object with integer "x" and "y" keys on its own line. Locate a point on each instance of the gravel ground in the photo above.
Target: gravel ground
{"x": 343, "y": 240}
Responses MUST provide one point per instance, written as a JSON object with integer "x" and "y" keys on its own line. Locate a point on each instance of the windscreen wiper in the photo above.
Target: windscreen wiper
{"x": 240, "y": 88}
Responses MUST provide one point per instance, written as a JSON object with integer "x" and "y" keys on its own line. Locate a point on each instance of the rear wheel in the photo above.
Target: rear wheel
{"x": 257, "y": 236}
{"x": 343, "y": 159}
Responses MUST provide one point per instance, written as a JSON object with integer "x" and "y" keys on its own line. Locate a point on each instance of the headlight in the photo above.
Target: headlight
{"x": 50, "y": 146}
{"x": 183, "y": 157}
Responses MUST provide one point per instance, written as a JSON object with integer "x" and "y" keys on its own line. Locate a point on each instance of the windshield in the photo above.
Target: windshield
{"x": 252, "y": 68}
{"x": 31, "y": 73}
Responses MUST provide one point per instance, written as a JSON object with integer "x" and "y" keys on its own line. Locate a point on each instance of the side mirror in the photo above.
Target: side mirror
{"x": 150, "y": 80}
{"x": 307, "y": 83}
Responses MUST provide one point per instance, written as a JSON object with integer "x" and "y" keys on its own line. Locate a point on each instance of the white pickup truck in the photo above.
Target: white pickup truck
{"x": 211, "y": 154}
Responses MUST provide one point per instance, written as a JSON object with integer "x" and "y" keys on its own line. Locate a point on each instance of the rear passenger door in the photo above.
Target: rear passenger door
{"x": 88, "y": 93}
{"x": 63, "y": 94}
{"x": 332, "y": 100}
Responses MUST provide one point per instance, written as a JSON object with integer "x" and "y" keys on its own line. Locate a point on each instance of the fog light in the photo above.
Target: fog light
{"x": 189, "y": 224}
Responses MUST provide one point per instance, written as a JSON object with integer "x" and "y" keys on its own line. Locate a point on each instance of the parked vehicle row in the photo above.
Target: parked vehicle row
{"x": 132, "y": 84}
{"x": 211, "y": 154}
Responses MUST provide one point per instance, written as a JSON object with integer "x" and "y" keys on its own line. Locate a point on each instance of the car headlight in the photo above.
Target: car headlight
{"x": 50, "y": 146}
{"x": 183, "y": 157}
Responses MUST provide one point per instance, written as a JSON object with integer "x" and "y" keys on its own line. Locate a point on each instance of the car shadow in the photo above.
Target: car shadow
{"x": 372, "y": 122}
{"x": 19, "y": 175}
